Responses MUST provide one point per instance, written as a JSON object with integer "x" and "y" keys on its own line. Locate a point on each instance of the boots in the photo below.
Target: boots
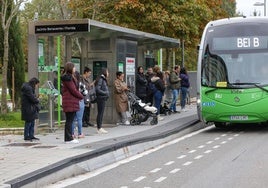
{"x": 159, "y": 118}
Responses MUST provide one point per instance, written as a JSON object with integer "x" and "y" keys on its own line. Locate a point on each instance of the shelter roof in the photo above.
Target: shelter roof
{"x": 92, "y": 30}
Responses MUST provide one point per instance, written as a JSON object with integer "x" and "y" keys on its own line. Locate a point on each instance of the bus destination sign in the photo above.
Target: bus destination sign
{"x": 240, "y": 43}
{"x": 62, "y": 28}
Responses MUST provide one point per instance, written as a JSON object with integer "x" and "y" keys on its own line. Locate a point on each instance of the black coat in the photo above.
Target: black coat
{"x": 102, "y": 90}
{"x": 141, "y": 85}
{"x": 29, "y": 103}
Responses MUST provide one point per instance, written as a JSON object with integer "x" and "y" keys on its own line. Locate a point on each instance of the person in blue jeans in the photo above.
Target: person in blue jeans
{"x": 158, "y": 81}
{"x": 79, "y": 114}
{"x": 175, "y": 86}
{"x": 185, "y": 84}
{"x": 79, "y": 119}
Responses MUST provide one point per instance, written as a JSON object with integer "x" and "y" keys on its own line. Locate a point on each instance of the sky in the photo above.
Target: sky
{"x": 246, "y": 7}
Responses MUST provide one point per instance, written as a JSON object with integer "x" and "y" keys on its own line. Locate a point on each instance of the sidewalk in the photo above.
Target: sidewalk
{"x": 35, "y": 164}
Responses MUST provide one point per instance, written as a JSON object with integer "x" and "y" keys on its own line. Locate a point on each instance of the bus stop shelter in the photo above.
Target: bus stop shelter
{"x": 93, "y": 44}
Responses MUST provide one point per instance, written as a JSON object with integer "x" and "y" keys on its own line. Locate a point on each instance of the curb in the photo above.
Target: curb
{"x": 117, "y": 149}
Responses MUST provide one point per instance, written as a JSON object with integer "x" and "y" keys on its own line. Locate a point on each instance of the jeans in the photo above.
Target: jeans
{"x": 157, "y": 100}
{"x": 79, "y": 118}
{"x": 68, "y": 126}
{"x": 28, "y": 129}
{"x": 184, "y": 91}
{"x": 100, "y": 107}
{"x": 175, "y": 93}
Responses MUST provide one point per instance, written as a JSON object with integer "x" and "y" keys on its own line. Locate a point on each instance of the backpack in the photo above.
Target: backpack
{"x": 152, "y": 88}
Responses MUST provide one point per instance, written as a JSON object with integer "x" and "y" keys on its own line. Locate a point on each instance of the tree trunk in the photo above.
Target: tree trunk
{"x": 4, "y": 108}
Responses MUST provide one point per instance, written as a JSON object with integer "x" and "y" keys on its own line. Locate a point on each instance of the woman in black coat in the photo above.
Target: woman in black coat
{"x": 29, "y": 107}
{"x": 141, "y": 84}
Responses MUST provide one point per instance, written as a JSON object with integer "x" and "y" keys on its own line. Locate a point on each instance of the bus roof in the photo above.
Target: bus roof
{"x": 238, "y": 20}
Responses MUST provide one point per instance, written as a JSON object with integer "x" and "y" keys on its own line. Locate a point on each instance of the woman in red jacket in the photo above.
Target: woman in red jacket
{"x": 70, "y": 99}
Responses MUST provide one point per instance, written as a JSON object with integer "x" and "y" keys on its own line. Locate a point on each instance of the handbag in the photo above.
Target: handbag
{"x": 92, "y": 94}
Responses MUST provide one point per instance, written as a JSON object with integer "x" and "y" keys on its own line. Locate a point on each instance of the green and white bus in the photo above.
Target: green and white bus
{"x": 232, "y": 75}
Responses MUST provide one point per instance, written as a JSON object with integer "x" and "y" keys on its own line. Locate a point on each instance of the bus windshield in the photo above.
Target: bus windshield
{"x": 235, "y": 56}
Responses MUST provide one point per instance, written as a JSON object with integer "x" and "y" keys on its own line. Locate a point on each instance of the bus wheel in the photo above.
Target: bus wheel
{"x": 220, "y": 125}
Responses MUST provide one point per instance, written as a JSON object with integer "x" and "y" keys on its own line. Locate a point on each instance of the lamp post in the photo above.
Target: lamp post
{"x": 261, "y": 4}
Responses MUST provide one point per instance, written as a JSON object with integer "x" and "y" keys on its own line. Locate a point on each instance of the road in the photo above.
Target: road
{"x": 209, "y": 158}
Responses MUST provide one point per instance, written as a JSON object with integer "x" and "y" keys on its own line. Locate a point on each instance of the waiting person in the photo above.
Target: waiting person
{"x": 158, "y": 81}
{"x": 185, "y": 84}
{"x": 141, "y": 84}
{"x": 121, "y": 99}
{"x": 86, "y": 80}
{"x": 174, "y": 78}
{"x": 70, "y": 100}
{"x": 29, "y": 108}
{"x": 79, "y": 114}
{"x": 168, "y": 91}
{"x": 150, "y": 96}
{"x": 102, "y": 92}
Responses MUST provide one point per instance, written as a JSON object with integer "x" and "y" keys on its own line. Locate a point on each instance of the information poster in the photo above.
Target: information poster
{"x": 130, "y": 73}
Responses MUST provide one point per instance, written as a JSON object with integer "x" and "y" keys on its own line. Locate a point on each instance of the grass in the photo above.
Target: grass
{"x": 11, "y": 120}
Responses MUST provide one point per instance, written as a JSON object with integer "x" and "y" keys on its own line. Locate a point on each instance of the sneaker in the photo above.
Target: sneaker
{"x": 183, "y": 110}
{"x": 117, "y": 124}
{"x": 74, "y": 141}
{"x": 127, "y": 123}
{"x": 159, "y": 118}
{"x": 81, "y": 136}
{"x": 102, "y": 131}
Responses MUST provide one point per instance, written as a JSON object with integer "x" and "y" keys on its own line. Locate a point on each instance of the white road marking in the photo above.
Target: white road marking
{"x": 200, "y": 147}
{"x": 223, "y": 142}
{"x": 82, "y": 177}
{"x": 208, "y": 151}
{"x": 198, "y": 157}
{"x": 174, "y": 170}
{"x": 169, "y": 163}
{"x": 192, "y": 151}
{"x": 181, "y": 157}
{"x": 217, "y": 146}
{"x": 217, "y": 138}
{"x": 236, "y": 135}
{"x": 155, "y": 170}
{"x": 224, "y": 135}
{"x": 139, "y": 179}
{"x": 187, "y": 163}
{"x": 209, "y": 142}
{"x": 231, "y": 138}
{"x": 160, "y": 179}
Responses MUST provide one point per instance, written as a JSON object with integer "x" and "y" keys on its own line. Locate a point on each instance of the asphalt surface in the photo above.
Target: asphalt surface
{"x": 40, "y": 163}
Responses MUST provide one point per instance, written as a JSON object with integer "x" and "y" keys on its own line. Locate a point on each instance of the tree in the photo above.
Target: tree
{"x": 9, "y": 9}
{"x": 16, "y": 63}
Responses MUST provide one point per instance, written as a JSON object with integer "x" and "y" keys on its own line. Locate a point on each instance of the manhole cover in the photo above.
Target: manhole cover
{"x": 45, "y": 147}
{"x": 22, "y": 144}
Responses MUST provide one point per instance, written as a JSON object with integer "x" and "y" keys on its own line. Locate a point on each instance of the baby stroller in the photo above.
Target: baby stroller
{"x": 164, "y": 109}
{"x": 140, "y": 111}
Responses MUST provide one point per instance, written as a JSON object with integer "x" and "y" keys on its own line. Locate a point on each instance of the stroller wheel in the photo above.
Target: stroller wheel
{"x": 135, "y": 122}
{"x": 154, "y": 121}
{"x": 132, "y": 122}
